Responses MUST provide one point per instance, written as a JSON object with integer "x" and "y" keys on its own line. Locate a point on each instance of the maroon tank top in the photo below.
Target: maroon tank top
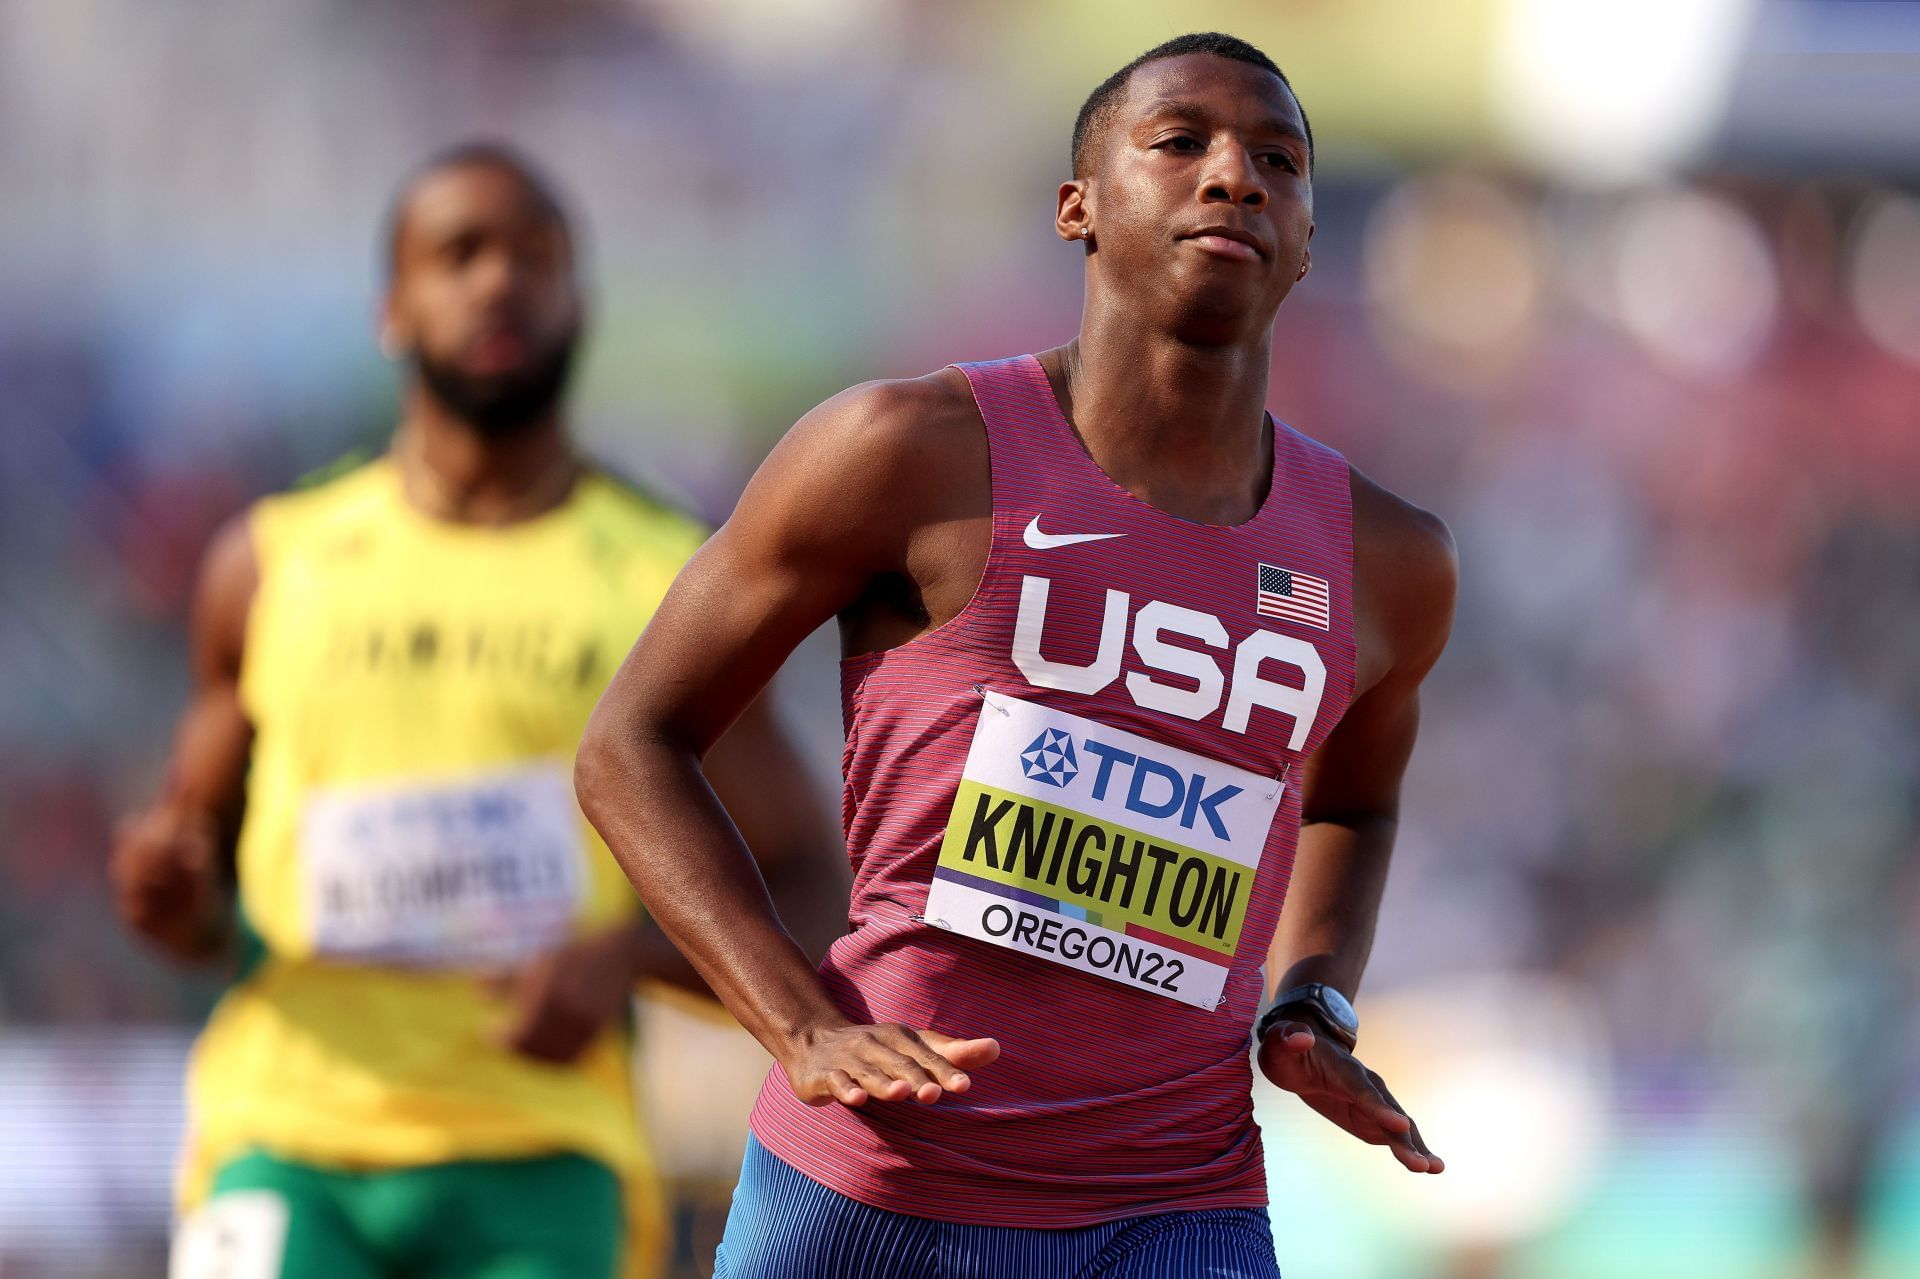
{"x": 1072, "y": 812}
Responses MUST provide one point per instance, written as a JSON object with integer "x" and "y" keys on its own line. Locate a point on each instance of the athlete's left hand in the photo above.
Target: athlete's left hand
{"x": 1334, "y": 1082}
{"x": 566, "y": 997}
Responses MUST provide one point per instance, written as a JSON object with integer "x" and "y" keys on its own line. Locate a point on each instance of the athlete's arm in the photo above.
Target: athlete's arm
{"x": 849, "y": 500}
{"x": 1405, "y": 577}
{"x": 757, "y": 772}
{"x": 172, "y": 864}
{"x": 566, "y": 997}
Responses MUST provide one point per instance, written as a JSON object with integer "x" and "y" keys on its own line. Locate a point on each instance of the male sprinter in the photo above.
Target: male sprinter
{"x": 424, "y": 1070}
{"x": 1123, "y": 656}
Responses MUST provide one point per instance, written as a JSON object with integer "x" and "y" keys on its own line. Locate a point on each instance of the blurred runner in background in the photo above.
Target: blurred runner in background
{"x": 423, "y": 1068}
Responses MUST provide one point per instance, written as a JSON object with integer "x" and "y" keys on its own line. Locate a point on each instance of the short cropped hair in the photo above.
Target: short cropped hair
{"x": 474, "y": 154}
{"x": 1101, "y": 102}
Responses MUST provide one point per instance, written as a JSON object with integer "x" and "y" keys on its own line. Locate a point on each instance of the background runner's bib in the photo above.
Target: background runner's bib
{"x": 481, "y": 873}
{"x": 1069, "y": 832}
{"x": 1102, "y": 850}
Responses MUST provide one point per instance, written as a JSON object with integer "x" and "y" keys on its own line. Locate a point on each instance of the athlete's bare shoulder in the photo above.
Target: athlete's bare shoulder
{"x": 222, "y": 597}
{"x": 1406, "y": 574}
{"x": 857, "y": 479}
{"x": 920, "y": 432}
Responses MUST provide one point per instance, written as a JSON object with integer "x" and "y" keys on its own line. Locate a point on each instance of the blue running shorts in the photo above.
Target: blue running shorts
{"x": 785, "y": 1225}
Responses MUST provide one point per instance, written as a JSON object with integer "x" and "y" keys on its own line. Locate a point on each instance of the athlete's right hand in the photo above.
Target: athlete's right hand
{"x": 1338, "y": 1085}
{"x": 852, "y": 1064}
{"x": 165, "y": 870}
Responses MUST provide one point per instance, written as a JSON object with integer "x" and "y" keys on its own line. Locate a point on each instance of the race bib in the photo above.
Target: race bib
{"x": 1102, "y": 850}
{"x": 239, "y": 1235}
{"x": 482, "y": 872}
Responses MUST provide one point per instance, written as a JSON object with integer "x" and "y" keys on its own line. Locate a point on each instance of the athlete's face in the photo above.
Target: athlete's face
{"x": 483, "y": 299}
{"x": 1198, "y": 196}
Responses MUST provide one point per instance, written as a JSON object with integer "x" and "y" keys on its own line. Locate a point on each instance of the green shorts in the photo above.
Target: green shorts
{"x": 558, "y": 1217}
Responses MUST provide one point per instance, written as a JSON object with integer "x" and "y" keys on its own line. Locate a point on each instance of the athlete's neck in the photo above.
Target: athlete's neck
{"x": 450, "y": 471}
{"x": 1180, "y": 426}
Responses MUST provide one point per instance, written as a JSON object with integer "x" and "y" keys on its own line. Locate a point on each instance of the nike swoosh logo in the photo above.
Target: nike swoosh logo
{"x": 1048, "y": 541}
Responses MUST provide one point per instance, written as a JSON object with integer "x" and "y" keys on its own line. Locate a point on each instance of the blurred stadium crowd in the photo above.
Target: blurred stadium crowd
{"x": 1666, "y": 781}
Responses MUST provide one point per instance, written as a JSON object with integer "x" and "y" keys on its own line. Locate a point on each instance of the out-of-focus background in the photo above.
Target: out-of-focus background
{"x": 1629, "y": 292}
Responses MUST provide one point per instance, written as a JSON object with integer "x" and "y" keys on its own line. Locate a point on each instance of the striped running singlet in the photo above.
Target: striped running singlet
{"x": 1072, "y": 811}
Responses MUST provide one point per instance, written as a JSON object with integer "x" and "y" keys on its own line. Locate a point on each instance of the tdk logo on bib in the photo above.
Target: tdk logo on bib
{"x": 1049, "y": 758}
{"x": 1154, "y": 789}
{"x": 1139, "y": 783}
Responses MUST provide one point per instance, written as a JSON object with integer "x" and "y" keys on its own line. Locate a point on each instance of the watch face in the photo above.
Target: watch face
{"x": 1342, "y": 1011}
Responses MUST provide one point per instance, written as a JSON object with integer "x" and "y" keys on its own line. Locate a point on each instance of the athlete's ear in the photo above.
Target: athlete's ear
{"x": 1306, "y": 257}
{"x": 1074, "y": 219}
{"x": 581, "y": 303}
{"x": 387, "y": 329}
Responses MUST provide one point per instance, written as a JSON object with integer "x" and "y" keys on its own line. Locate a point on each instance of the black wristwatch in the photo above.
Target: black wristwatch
{"x": 1326, "y": 1007}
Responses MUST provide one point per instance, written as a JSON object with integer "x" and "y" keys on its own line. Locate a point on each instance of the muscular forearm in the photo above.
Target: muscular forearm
{"x": 758, "y": 774}
{"x": 173, "y": 865}
{"x": 1333, "y": 901}
{"x": 653, "y": 958}
{"x": 169, "y": 884}
{"x": 669, "y": 832}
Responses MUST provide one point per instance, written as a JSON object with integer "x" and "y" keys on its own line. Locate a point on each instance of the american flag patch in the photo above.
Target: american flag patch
{"x": 1293, "y": 597}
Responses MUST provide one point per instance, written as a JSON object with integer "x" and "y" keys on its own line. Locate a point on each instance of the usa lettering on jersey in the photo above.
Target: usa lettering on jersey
{"x": 1152, "y": 622}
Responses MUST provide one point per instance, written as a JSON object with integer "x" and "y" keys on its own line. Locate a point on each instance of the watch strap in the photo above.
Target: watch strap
{"x": 1304, "y": 999}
